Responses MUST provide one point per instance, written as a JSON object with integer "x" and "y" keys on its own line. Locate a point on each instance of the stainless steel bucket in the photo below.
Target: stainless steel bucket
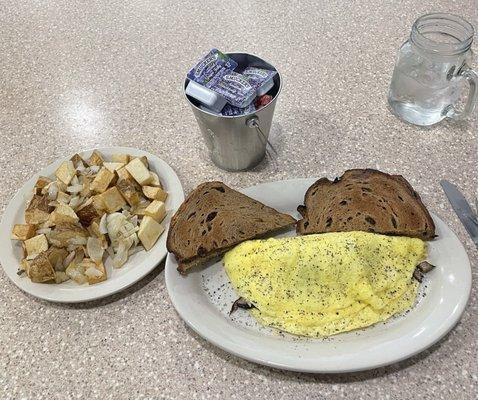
{"x": 238, "y": 143}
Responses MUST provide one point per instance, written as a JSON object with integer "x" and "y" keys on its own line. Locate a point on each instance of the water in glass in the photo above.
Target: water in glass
{"x": 423, "y": 90}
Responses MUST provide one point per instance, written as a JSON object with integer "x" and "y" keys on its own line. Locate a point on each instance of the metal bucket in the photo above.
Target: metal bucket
{"x": 240, "y": 142}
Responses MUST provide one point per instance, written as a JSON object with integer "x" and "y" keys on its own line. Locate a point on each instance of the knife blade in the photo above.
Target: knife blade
{"x": 462, "y": 209}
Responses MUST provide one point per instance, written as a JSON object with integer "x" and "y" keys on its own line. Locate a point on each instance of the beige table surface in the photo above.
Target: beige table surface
{"x": 80, "y": 74}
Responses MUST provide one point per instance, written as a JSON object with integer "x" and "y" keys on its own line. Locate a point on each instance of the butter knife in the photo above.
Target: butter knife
{"x": 461, "y": 207}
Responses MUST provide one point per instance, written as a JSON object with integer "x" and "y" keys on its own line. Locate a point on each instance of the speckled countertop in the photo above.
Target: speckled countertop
{"x": 81, "y": 74}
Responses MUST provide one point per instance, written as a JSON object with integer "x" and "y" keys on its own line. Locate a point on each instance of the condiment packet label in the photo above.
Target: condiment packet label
{"x": 235, "y": 88}
{"x": 231, "y": 111}
{"x": 258, "y": 76}
{"x": 211, "y": 68}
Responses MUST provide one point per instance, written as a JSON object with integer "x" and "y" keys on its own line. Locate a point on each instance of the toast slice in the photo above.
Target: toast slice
{"x": 214, "y": 218}
{"x": 365, "y": 200}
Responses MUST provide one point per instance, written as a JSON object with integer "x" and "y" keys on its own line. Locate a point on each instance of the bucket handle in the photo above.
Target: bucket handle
{"x": 253, "y": 122}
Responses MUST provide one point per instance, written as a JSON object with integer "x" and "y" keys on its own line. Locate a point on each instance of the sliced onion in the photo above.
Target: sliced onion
{"x": 74, "y": 181}
{"x": 69, "y": 258}
{"x": 110, "y": 251}
{"x": 135, "y": 249}
{"x": 74, "y": 202}
{"x": 121, "y": 255}
{"x": 79, "y": 255}
{"x": 59, "y": 266}
{"x": 94, "y": 249}
{"x": 43, "y": 231}
{"x": 134, "y": 220}
{"x": 74, "y": 188}
{"x": 52, "y": 190}
{"x": 77, "y": 241}
{"x": 92, "y": 272}
{"x": 103, "y": 226}
{"x": 80, "y": 167}
{"x": 94, "y": 169}
{"x": 136, "y": 239}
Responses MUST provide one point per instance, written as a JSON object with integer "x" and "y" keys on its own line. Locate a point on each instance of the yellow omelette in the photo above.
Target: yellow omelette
{"x": 321, "y": 285}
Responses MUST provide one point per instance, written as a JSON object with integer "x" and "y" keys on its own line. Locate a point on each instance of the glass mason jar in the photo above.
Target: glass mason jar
{"x": 432, "y": 66}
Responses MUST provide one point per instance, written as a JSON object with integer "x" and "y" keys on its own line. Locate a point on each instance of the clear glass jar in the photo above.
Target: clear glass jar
{"x": 431, "y": 68}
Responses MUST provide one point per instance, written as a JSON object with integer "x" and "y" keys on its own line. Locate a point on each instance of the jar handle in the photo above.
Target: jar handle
{"x": 472, "y": 79}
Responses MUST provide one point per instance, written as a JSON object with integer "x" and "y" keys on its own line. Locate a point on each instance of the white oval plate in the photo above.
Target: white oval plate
{"x": 138, "y": 265}
{"x": 203, "y": 299}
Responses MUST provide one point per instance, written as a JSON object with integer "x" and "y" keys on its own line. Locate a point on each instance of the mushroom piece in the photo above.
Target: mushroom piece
{"x": 240, "y": 303}
{"x": 425, "y": 267}
{"x": 418, "y": 275}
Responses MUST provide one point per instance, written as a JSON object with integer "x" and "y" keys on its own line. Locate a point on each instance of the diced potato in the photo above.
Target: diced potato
{"x": 63, "y": 213}
{"x": 154, "y": 180}
{"x": 63, "y": 198}
{"x": 112, "y": 200}
{"x": 40, "y": 269}
{"x": 24, "y": 265}
{"x": 113, "y": 166}
{"x": 98, "y": 202}
{"x": 87, "y": 212}
{"x": 23, "y": 231}
{"x": 56, "y": 256}
{"x": 86, "y": 191}
{"x": 124, "y": 174}
{"x": 38, "y": 211}
{"x": 140, "y": 209}
{"x": 65, "y": 172}
{"x": 128, "y": 191}
{"x": 65, "y": 234}
{"x": 94, "y": 273}
{"x": 120, "y": 158}
{"x": 77, "y": 160}
{"x": 144, "y": 160}
{"x": 94, "y": 228}
{"x": 155, "y": 193}
{"x": 36, "y": 245}
{"x": 42, "y": 182}
{"x": 156, "y": 210}
{"x": 62, "y": 187}
{"x": 102, "y": 180}
{"x": 96, "y": 158}
{"x": 149, "y": 232}
{"x": 139, "y": 171}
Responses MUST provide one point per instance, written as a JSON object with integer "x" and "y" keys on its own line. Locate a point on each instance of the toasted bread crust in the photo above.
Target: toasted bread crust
{"x": 214, "y": 218}
{"x": 365, "y": 200}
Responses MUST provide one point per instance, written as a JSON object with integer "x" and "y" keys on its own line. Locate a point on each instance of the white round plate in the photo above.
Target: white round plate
{"x": 204, "y": 297}
{"x": 137, "y": 266}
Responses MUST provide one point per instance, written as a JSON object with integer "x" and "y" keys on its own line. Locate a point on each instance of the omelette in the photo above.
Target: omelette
{"x": 324, "y": 284}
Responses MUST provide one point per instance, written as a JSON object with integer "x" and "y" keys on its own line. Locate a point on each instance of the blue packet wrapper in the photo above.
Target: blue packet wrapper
{"x": 235, "y": 88}
{"x": 211, "y": 68}
{"x": 261, "y": 79}
{"x": 231, "y": 111}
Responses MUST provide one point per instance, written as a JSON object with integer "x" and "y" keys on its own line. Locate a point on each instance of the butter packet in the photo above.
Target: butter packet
{"x": 235, "y": 88}
{"x": 261, "y": 79}
{"x": 231, "y": 111}
{"x": 211, "y": 68}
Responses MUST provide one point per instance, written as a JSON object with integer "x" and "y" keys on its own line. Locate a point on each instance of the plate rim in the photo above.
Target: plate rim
{"x": 8, "y": 218}
{"x": 448, "y": 324}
